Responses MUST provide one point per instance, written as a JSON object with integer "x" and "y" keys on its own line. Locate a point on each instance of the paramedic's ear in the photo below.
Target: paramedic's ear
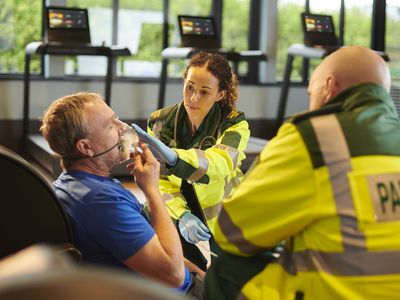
{"x": 221, "y": 95}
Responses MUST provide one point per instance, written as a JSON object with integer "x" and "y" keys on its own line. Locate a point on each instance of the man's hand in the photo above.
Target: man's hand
{"x": 146, "y": 169}
{"x": 162, "y": 152}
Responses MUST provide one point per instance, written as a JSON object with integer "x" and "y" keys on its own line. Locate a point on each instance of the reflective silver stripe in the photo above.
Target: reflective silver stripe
{"x": 212, "y": 211}
{"x": 157, "y": 126}
{"x": 229, "y": 185}
{"x": 336, "y": 156}
{"x": 203, "y": 166}
{"x": 233, "y": 153}
{"x": 351, "y": 263}
{"x": 236, "y": 179}
{"x": 227, "y": 188}
{"x": 167, "y": 196}
{"x": 235, "y": 235}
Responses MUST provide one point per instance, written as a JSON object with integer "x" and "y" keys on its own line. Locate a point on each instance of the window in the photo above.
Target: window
{"x": 235, "y": 27}
{"x": 183, "y": 7}
{"x": 140, "y": 29}
{"x": 289, "y": 32}
{"x": 393, "y": 38}
{"x": 100, "y": 22}
{"x": 358, "y": 16}
{"x": 358, "y": 20}
{"x": 140, "y": 24}
{"x": 20, "y": 24}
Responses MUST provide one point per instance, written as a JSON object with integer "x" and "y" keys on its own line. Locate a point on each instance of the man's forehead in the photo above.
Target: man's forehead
{"x": 100, "y": 110}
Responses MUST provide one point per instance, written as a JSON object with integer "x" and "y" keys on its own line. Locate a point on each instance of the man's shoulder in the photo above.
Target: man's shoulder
{"x": 93, "y": 188}
{"x": 297, "y": 119}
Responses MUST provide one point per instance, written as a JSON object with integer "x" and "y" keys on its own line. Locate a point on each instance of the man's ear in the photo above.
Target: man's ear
{"x": 331, "y": 88}
{"x": 84, "y": 147}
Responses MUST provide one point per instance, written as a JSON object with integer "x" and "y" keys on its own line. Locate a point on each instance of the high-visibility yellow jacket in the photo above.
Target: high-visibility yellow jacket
{"x": 209, "y": 161}
{"x": 329, "y": 186}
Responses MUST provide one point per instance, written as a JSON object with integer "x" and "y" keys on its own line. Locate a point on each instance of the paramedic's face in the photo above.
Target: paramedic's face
{"x": 200, "y": 92}
{"x": 104, "y": 130}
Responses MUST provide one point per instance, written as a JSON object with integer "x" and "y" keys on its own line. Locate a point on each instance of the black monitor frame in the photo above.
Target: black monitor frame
{"x": 66, "y": 35}
{"x": 198, "y": 40}
{"x": 315, "y": 38}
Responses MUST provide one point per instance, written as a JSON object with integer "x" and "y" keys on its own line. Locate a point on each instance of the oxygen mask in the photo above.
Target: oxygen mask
{"x": 128, "y": 142}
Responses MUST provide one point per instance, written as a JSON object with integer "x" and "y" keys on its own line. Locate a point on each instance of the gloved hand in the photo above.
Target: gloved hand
{"x": 161, "y": 152}
{"x": 192, "y": 229}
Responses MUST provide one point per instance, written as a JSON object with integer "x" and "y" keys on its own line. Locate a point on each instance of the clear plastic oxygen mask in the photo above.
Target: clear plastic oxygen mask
{"x": 128, "y": 142}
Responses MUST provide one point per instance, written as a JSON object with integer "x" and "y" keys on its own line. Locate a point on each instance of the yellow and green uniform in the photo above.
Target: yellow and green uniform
{"x": 208, "y": 165}
{"x": 328, "y": 185}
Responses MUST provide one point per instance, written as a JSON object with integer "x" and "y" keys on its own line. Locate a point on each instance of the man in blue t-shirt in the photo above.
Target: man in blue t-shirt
{"x": 109, "y": 224}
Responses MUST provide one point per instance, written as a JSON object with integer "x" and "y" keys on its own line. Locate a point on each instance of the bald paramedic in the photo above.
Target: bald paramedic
{"x": 327, "y": 187}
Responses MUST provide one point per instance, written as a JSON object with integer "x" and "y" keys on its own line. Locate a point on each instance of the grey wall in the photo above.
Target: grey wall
{"x": 131, "y": 101}
{"x": 137, "y": 100}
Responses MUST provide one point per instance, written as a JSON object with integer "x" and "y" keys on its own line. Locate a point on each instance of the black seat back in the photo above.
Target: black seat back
{"x": 30, "y": 213}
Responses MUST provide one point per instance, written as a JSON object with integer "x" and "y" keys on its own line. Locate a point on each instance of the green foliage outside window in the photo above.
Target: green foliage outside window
{"x": 235, "y": 24}
{"x": 357, "y": 32}
{"x": 289, "y": 32}
{"x": 20, "y": 24}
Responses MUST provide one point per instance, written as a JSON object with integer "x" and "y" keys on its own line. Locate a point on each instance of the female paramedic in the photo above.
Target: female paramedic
{"x": 203, "y": 139}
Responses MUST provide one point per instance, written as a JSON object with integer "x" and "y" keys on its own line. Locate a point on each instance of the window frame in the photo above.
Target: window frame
{"x": 256, "y": 14}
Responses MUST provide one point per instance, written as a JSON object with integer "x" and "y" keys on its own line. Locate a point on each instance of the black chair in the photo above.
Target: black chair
{"x": 30, "y": 213}
{"x": 38, "y": 272}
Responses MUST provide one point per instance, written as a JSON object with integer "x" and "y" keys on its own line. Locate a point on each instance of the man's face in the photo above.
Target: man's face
{"x": 104, "y": 131}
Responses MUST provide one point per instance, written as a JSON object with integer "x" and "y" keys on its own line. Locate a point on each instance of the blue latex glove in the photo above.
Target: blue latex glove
{"x": 192, "y": 229}
{"x": 160, "y": 151}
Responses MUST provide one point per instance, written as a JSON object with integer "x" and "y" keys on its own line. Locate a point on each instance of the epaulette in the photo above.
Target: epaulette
{"x": 330, "y": 109}
{"x": 232, "y": 115}
{"x": 162, "y": 113}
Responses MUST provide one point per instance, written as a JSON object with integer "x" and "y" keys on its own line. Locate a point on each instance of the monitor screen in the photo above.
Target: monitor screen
{"x": 67, "y": 18}
{"x": 318, "y": 23}
{"x": 318, "y": 30}
{"x": 202, "y": 26}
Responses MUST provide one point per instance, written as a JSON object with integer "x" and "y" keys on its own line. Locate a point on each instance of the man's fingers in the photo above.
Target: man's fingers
{"x": 137, "y": 161}
{"x": 147, "y": 153}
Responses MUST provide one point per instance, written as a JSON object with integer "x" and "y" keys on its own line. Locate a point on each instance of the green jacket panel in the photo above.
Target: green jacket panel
{"x": 331, "y": 197}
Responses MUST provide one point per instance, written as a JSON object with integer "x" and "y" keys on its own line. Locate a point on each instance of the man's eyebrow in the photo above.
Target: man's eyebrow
{"x": 110, "y": 120}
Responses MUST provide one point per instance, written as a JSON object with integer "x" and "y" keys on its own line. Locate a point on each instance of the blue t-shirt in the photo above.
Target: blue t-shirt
{"x": 109, "y": 223}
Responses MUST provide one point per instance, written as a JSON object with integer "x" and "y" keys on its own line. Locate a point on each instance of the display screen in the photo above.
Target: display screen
{"x": 67, "y": 18}
{"x": 197, "y": 26}
{"x": 318, "y": 23}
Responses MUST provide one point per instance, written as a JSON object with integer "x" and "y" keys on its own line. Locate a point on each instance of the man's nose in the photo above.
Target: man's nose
{"x": 121, "y": 124}
{"x": 122, "y": 127}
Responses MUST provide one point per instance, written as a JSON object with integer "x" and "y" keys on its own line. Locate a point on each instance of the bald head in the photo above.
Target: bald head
{"x": 345, "y": 68}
